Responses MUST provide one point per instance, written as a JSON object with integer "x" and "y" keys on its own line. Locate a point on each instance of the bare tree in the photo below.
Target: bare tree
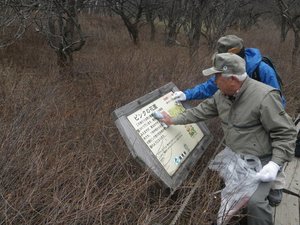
{"x": 174, "y": 17}
{"x": 58, "y": 22}
{"x": 152, "y": 8}
{"x": 290, "y": 15}
{"x": 196, "y": 13}
{"x": 221, "y": 16}
{"x": 211, "y": 19}
{"x": 131, "y": 12}
{"x": 14, "y": 20}
{"x": 250, "y": 12}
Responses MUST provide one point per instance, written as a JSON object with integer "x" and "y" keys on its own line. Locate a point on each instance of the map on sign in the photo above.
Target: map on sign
{"x": 171, "y": 145}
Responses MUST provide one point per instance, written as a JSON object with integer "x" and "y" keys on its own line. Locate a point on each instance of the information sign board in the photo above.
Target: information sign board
{"x": 169, "y": 152}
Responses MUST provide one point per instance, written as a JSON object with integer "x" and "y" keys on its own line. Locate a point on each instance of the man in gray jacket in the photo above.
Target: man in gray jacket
{"x": 254, "y": 122}
{"x": 257, "y": 69}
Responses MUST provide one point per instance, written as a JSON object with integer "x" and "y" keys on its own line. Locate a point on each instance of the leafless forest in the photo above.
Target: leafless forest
{"x": 63, "y": 160}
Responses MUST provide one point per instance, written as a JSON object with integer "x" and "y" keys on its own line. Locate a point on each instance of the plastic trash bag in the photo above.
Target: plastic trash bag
{"x": 239, "y": 174}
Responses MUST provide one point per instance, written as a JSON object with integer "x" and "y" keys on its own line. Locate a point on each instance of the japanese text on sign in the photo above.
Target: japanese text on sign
{"x": 171, "y": 146}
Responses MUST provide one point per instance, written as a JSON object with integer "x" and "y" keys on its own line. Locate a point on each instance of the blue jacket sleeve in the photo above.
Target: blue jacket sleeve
{"x": 203, "y": 90}
{"x": 268, "y": 76}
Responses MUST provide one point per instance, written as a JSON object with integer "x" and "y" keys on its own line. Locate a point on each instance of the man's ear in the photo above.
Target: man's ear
{"x": 234, "y": 78}
{"x": 234, "y": 50}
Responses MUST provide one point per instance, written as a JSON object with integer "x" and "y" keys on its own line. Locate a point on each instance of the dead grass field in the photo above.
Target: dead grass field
{"x": 62, "y": 158}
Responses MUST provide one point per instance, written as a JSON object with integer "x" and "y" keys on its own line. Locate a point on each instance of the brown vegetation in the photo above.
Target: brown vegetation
{"x": 62, "y": 158}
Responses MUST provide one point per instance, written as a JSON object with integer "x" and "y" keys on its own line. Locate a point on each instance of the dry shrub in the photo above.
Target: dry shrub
{"x": 62, "y": 159}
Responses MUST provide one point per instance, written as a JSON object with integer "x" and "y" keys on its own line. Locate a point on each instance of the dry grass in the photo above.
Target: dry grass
{"x": 62, "y": 158}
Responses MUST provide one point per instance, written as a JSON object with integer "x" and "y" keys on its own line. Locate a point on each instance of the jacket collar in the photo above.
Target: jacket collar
{"x": 244, "y": 86}
{"x": 239, "y": 92}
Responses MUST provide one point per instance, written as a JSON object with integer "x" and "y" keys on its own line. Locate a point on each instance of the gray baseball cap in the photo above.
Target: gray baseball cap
{"x": 230, "y": 43}
{"x": 227, "y": 64}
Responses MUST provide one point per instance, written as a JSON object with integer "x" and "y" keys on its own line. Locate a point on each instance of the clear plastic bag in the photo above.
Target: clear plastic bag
{"x": 239, "y": 174}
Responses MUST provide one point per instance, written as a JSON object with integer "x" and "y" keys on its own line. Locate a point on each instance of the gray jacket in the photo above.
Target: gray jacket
{"x": 253, "y": 123}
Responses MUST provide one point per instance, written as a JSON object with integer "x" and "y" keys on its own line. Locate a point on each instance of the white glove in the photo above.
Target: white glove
{"x": 268, "y": 172}
{"x": 179, "y": 96}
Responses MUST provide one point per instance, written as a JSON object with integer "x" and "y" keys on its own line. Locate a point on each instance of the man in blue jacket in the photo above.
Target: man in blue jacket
{"x": 253, "y": 58}
{"x": 254, "y": 64}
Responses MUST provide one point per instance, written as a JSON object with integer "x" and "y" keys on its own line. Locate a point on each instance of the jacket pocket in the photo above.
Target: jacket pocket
{"x": 251, "y": 140}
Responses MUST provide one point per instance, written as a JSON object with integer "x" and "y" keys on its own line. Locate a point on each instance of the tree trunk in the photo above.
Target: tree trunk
{"x": 296, "y": 50}
{"x": 65, "y": 64}
{"x": 194, "y": 35}
{"x": 172, "y": 25}
{"x": 150, "y": 20}
{"x": 152, "y": 30}
{"x": 132, "y": 30}
{"x": 132, "y": 24}
{"x": 171, "y": 34}
{"x": 284, "y": 29}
